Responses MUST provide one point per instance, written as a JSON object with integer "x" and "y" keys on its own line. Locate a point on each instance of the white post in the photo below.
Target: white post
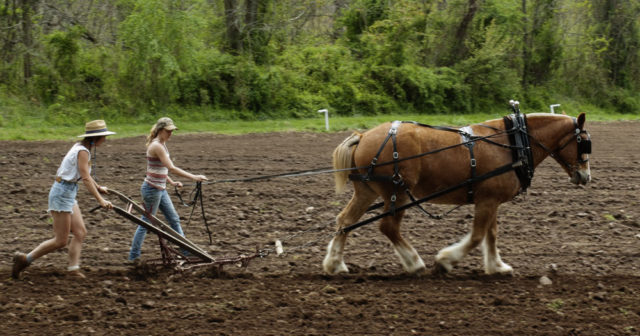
{"x": 326, "y": 117}
{"x": 552, "y": 107}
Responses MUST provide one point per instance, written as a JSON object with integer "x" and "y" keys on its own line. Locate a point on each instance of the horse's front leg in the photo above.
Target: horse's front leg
{"x": 363, "y": 196}
{"x": 492, "y": 261}
{"x": 485, "y": 215}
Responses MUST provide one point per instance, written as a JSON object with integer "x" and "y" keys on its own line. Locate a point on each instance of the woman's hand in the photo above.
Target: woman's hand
{"x": 178, "y": 185}
{"x": 103, "y": 190}
{"x": 106, "y": 204}
{"x": 200, "y": 178}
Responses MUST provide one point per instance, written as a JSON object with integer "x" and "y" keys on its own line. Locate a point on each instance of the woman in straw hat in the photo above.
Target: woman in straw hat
{"x": 153, "y": 190}
{"x": 63, "y": 206}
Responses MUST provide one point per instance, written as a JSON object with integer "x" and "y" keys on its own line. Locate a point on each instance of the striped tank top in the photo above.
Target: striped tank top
{"x": 156, "y": 171}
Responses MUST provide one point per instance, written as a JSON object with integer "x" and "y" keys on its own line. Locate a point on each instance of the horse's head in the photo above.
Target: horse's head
{"x": 573, "y": 152}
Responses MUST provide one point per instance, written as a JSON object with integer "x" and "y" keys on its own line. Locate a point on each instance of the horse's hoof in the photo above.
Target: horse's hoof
{"x": 439, "y": 269}
{"x": 419, "y": 273}
{"x": 332, "y": 269}
{"x": 503, "y": 269}
{"x": 506, "y": 272}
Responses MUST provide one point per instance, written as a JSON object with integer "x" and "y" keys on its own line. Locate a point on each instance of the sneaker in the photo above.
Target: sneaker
{"x": 76, "y": 274}
{"x": 19, "y": 263}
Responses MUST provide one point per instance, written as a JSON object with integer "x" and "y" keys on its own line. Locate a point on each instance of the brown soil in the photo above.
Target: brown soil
{"x": 585, "y": 239}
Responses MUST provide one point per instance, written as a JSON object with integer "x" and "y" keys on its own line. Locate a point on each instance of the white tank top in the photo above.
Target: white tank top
{"x": 68, "y": 170}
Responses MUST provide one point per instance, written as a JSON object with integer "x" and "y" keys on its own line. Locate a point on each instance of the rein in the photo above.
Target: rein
{"x": 522, "y": 165}
{"x": 327, "y": 170}
{"x": 197, "y": 192}
{"x": 195, "y": 196}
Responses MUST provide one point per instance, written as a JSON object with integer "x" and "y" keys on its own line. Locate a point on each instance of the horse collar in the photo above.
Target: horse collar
{"x": 516, "y": 125}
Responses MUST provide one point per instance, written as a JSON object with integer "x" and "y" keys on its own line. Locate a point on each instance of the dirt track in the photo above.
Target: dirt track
{"x": 585, "y": 239}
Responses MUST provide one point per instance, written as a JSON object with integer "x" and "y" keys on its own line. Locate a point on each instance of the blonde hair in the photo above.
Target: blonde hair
{"x": 153, "y": 133}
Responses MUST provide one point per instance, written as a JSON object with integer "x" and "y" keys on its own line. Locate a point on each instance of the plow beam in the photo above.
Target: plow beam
{"x": 158, "y": 227}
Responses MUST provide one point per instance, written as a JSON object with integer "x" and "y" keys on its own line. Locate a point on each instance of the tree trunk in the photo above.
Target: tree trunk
{"x": 459, "y": 50}
{"x": 8, "y": 35}
{"x": 525, "y": 47}
{"x": 234, "y": 40}
{"x": 251, "y": 13}
{"x": 27, "y": 38}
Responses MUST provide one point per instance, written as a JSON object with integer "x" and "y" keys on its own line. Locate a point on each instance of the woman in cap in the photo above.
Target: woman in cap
{"x": 63, "y": 206}
{"x": 153, "y": 190}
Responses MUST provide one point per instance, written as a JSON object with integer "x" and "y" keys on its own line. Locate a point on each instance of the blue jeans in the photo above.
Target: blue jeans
{"x": 154, "y": 199}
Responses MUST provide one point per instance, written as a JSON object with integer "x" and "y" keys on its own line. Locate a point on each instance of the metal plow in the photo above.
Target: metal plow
{"x": 189, "y": 255}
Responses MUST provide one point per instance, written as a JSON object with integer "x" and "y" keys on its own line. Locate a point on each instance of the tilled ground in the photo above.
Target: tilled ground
{"x": 585, "y": 239}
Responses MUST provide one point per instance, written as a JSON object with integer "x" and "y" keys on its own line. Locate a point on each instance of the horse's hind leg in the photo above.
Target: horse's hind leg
{"x": 485, "y": 215}
{"x": 410, "y": 259}
{"x": 492, "y": 261}
{"x": 363, "y": 196}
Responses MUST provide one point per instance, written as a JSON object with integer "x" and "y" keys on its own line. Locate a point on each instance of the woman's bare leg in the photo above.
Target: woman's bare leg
{"x": 61, "y": 227}
{"x": 79, "y": 231}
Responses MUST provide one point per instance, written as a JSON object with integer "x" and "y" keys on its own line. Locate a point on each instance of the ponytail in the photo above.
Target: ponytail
{"x": 153, "y": 134}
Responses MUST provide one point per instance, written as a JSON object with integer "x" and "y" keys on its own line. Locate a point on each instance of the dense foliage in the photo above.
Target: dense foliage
{"x": 268, "y": 58}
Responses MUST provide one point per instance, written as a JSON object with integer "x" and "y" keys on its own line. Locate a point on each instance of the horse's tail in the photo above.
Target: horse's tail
{"x": 343, "y": 159}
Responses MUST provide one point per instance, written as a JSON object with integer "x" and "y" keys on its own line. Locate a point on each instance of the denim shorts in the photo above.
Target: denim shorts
{"x": 62, "y": 196}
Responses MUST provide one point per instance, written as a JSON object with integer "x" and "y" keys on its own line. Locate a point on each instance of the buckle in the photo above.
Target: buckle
{"x": 473, "y": 163}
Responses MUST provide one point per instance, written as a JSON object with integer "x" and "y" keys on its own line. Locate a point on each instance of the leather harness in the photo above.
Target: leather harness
{"x": 515, "y": 126}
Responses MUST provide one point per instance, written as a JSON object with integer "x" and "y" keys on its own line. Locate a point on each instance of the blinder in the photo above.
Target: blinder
{"x": 584, "y": 145}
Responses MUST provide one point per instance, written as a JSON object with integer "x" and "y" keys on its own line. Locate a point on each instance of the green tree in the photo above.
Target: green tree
{"x": 157, "y": 48}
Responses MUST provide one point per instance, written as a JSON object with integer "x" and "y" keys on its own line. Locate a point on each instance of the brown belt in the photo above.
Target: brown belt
{"x": 60, "y": 180}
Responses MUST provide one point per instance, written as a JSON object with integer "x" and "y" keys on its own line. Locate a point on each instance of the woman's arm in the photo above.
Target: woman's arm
{"x": 89, "y": 182}
{"x": 174, "y": 183}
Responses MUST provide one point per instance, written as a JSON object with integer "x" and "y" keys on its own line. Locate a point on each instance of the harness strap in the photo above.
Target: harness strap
{"x": 493, "y": 173}
{"x": 396, "y": 178}
{"x": 467, "y": 138}
{"x": 392, "y": 133}
{"x": 419, "y": 206}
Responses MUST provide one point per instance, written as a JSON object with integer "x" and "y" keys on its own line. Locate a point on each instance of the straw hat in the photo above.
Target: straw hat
{"x": 95, "y": 128}
{"x": 165, "y": 123}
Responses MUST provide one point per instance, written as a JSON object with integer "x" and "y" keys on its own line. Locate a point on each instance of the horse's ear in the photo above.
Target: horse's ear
{"x": 581, "y": 120}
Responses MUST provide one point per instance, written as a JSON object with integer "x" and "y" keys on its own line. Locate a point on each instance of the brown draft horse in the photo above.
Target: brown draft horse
{"x": 550, "y": 135}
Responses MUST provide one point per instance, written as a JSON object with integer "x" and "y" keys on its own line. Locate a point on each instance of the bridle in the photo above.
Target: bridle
{"x": 583, "y": 147}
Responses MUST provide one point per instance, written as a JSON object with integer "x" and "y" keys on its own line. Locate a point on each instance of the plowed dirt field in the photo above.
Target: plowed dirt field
{"x": 586, "y": 240}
